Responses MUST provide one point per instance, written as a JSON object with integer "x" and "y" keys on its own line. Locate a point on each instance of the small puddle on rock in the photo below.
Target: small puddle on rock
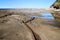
{"x": 49, "y": 19}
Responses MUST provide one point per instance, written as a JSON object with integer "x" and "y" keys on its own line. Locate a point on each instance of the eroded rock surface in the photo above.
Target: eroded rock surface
{"x": 12, "y": 28}
{"x": 56, "y": 14}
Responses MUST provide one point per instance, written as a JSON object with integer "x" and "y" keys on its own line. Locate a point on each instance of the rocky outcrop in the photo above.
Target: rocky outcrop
{"x": 56, "y": 14}
{"x": 56, "y": 4}
{"x": 13, "y": 28}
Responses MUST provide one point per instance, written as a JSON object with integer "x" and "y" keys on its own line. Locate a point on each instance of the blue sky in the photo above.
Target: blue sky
{"x": 26, "y": 3}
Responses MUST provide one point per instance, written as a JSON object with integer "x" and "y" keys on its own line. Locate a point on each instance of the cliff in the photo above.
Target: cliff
{"x": 56, "y": 14}
{"x": 56, "y": 4}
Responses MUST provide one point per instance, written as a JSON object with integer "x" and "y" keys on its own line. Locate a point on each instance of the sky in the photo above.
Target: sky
{"x": 26, "y": 3}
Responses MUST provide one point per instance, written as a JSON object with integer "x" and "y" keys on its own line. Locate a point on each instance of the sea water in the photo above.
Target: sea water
{"x": 45, "y": 15}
